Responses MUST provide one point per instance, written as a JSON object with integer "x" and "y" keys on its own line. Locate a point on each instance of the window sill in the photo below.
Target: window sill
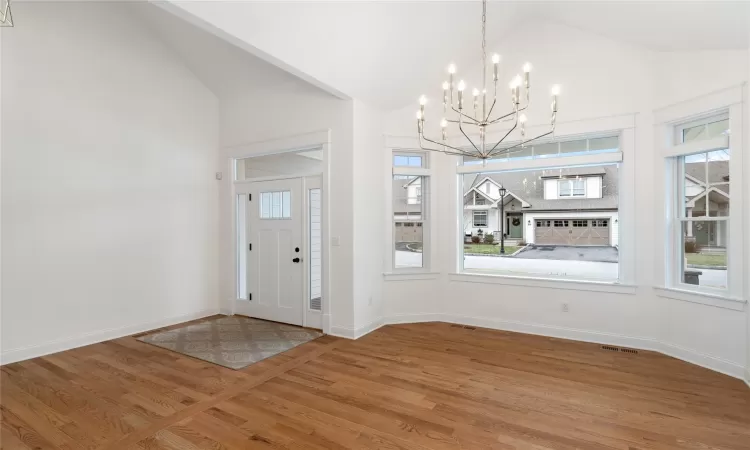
{"x": 718, "y": 301}
{"x": 550, "y": 283}
{"x": 407, "y": 276}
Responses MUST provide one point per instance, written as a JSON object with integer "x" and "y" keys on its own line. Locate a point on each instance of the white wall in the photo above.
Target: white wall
{"x": 369, "y": 209}
{"x": 109, "y": 202}
{"x": 602, "y": 82}
{"x": 746, "y": 112}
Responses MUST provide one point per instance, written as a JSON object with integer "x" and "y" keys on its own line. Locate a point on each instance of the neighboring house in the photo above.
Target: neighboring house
{"x": 572, "y": 206}
{"x": 407, "y": 208}
{"x": 716, "y": 197}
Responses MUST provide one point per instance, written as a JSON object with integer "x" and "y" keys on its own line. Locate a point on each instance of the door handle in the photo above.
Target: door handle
{"x": 296, "y": 260}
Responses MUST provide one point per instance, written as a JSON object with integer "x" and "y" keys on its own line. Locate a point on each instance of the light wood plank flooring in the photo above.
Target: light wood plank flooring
{"x": 421, "y": 386}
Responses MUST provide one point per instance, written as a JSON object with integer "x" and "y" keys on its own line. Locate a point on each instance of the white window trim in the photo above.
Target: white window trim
{"x": 680, "y": 117}
{"x": 550, "y": 283}
{"x": 390, "y": 271}
{"x": 626, "y": 265}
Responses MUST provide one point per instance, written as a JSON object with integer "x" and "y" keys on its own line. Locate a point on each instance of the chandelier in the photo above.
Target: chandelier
{"x": 464, "y": 117}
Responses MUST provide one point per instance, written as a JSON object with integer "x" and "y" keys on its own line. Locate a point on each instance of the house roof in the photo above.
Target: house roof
{"x": 718, "y": 172}
{"x": 400, "y": 203}
{"x": 529, "y": 186}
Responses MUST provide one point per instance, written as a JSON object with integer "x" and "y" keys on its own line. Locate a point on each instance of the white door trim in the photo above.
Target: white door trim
{"x": 318, "y": 139}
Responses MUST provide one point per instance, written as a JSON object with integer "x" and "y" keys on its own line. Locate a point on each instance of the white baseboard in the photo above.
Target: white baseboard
{"x": 700, "y": 359}
{"x": 414, "y": 318}
{"x": 552, "y": 331}
{"x": 326, "y": 323}
{"x": 356, "y": 333}
{"x": 710, "y": 362}
{"x": 35, "y": 351}
{"x": 747, "y": 376}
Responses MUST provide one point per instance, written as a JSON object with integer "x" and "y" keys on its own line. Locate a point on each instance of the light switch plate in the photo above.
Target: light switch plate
{"x": 335, "y": 241}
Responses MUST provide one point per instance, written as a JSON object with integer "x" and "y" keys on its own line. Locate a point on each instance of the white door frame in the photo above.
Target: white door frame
{"x": 308, "y": 141}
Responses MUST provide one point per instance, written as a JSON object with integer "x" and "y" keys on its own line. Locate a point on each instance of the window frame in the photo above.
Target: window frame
{"x": 424, "y": 200}
{"x": 704, "y": 119}
{"x": 473, "y": 218}
{"x": 626, "y": 266}
{"x": 675, "y": 156}
{"x": 571, "y": 182}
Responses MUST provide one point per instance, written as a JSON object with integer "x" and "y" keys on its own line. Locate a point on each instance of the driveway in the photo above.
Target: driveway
{"x": 569, "y": 253}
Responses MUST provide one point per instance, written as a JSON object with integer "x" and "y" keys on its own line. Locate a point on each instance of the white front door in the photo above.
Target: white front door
{"x": 274, "y": 221}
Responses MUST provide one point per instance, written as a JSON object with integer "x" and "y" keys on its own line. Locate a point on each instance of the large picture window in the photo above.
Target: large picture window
{"x": 560, "y": 223}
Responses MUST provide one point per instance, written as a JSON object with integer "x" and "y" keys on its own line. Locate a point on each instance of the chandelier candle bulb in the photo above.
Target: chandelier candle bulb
{"x": 555, "y": 92}
{"x": 526, "y": 72}
{"x": 495, "y": 65}
{"x": 461, "y": 87}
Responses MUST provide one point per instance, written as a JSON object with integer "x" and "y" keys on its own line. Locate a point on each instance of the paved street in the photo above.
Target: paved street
{"x": 591, "y": 270}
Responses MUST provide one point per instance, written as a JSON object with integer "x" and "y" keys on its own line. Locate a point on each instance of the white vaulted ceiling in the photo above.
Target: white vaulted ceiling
{"x": 383, "y": 53}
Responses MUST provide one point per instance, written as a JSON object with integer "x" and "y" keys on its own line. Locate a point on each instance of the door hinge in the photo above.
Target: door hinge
{"x": 249, "y": 247}
{"x": 249, "y": 197}
{"x": 249, "y": 296}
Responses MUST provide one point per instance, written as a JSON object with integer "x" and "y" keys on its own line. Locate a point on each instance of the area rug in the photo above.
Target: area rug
{"x": 234, "y": 342}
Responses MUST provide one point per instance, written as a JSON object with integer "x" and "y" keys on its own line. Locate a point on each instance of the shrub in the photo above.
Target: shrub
{"x": 692, "y": 247}
{"x": 475, "y": 239}
{"x": 480, "y": 232}
{"x": 489, "y": 238}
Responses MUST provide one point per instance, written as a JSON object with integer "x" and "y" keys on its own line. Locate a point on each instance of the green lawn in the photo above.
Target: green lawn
{"x": 707, "y": 259}
{"x": 486, "y": 249}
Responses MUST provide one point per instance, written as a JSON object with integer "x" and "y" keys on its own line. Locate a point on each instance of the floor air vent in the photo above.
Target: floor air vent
{"x": 619, "y": 349}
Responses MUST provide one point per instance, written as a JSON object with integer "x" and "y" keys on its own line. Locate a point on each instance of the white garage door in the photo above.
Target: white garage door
{"x": 572, "y": 232}
{"x": 408, "y": 231}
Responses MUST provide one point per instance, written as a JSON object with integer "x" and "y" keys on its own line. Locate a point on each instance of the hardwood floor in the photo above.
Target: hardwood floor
{"x": 421, "y": 386}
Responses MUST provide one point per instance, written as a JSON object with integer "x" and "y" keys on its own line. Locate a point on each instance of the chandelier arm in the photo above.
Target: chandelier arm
{"x": 498, "y": 119}
{"x": 529, "y": 140}
{"x": 458, "y": 121}
{"x": 492, "y": 106}
{"x": 461, "y": 151}
{"x": 490, "y": 153}
{"x": 476, "y": 122}
{"x": 460, "y": 127}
